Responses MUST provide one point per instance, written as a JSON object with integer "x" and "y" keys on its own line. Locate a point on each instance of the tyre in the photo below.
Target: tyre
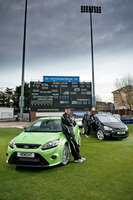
{"x": 65, "y": 155}
{"x": 79, "y": 140}
{"x": 100, "y": 135}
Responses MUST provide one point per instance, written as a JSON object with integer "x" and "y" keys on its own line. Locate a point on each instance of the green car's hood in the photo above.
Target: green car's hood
{"x": 37, "y": 137}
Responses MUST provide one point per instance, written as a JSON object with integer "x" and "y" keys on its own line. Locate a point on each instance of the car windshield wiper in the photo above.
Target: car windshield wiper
{"x": 49, "y": 131}
{"x": 57, "y": 131}
{"x": 32, "y": 131}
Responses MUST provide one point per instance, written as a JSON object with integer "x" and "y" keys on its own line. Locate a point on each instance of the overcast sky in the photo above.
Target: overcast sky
{"x": 58, "y": 41}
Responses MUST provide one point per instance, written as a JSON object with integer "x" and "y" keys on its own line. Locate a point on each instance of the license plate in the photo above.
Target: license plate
{"x": 120, "y": 132}
{"x": 25, "y": 154}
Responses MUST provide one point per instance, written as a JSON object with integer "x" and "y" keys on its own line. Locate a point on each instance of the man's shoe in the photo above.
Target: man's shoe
{"x": 78, "y": 161}
{"x": 87, "y": 136}
{"x": 84, "y": 159}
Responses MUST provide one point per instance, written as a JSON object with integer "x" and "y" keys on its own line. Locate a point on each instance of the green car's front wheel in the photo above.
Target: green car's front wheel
{"x": 65, "y": 155}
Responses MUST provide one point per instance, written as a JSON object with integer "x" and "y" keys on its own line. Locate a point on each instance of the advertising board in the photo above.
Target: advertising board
{"x": 61, "y": 78}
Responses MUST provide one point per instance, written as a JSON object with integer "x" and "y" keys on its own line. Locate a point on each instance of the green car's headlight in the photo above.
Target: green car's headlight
{"x": 12, "y": 143}
{"x": 50, "y": 144}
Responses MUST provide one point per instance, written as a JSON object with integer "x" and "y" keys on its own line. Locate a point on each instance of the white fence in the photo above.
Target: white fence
{"x": 6, "y": 113}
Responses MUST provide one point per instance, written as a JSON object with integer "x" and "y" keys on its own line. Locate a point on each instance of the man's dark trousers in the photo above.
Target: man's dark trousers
{"x": 73, "y": 144}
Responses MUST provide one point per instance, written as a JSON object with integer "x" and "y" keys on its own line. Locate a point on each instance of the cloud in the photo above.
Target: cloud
{"x": 58, "y": 37}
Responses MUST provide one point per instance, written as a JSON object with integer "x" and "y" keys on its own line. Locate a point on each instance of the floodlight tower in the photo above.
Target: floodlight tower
{"x": 23, "y": 65}
{"x": 92, "y": 9}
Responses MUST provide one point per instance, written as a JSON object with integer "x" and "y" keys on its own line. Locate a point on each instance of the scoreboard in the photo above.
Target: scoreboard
{"x": 55, "y": 96}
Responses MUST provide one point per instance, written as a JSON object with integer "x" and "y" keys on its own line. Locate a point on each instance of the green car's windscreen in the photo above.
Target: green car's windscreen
{"x": 47, "y": 125}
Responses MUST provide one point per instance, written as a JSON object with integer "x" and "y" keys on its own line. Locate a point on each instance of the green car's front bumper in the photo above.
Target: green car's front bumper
{"x": 42, "y": 158}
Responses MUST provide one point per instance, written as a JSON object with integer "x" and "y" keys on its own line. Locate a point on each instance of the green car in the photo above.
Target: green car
{"x": 42, "y": 144}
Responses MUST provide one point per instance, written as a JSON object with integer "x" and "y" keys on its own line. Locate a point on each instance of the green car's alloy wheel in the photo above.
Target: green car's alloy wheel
{"x": 100, "y": 135}
{"x": 65, "y": 155}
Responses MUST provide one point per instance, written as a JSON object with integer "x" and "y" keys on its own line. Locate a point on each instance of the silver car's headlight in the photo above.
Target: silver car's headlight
{"x": 106, "y": 128}
{"x": 12, "y": 143}
{"x": 50, "y": 144}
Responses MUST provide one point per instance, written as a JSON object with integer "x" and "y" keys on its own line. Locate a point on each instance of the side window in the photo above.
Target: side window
{"x": 35, "y": 126}
{"x": 96, "y": 121}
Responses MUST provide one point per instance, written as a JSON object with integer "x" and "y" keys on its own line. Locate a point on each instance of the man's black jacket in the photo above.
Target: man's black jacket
{"x": 87, "y": 120}
{"x": 66, "y": 123}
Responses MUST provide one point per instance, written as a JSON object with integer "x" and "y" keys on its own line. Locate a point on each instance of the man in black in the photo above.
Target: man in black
{"x": 87, "y": 121}
{"x": 67, "y": 126}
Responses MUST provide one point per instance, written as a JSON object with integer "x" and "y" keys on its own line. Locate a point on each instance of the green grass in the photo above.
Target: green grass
{"x": 107, "y": 173}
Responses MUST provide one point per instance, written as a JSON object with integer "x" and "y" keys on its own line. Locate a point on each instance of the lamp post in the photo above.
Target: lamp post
{"x": 23, "y": 65}
{"x": 92, "y": 9}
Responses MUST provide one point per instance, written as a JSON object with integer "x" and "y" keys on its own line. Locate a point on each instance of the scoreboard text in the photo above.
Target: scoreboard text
{"x": 55, "y": 96}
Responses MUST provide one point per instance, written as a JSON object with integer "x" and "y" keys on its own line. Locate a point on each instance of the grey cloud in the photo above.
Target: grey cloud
{"x": 57, "y": 28}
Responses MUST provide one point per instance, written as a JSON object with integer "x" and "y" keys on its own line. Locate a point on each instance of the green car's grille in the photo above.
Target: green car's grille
{"x": 37, "y": 161}
{"x": 27, "y": 146}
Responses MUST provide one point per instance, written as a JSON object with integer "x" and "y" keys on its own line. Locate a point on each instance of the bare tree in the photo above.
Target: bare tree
{"x": 124, "y": 88}
{"x": 98, "y": 98}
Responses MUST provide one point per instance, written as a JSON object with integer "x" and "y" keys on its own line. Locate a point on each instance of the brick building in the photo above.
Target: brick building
{"x": 123, "y": 98}
{"x": 104, "y": 106}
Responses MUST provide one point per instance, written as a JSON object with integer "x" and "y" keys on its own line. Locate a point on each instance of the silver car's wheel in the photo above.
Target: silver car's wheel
{"x": 100, "y": 135}
{"x": 65, "y": 155}
{"x": 79, "y": 140}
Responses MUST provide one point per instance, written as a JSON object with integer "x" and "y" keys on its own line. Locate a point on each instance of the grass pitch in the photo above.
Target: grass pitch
{"x": 107, "y": 173}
